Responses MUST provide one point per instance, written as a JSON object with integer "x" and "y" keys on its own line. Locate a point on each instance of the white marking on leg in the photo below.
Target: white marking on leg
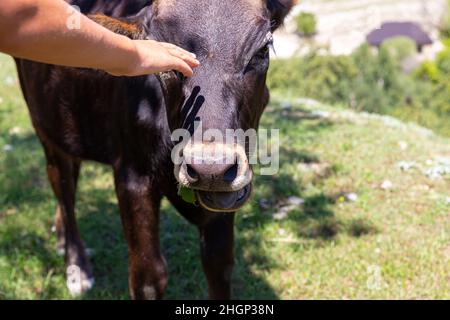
{"x": 149, "y": 292}
{"x": 77, "y": 280}
{"x": 73, "y": 274}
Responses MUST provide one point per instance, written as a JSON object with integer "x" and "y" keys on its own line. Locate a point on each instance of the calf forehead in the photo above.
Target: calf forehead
{"x": 212, "y": 24}
{"x": 211, "y": 14}
{"x": 167, "y": 7}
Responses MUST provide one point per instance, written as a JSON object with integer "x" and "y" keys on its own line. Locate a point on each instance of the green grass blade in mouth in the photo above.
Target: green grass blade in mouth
{"x": 187, "y": 194}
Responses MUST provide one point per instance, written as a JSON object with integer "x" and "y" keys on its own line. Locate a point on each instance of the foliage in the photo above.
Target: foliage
{"x": 445, "y": 22}
{"x": 306, "y": 24}
{"x": 372, "y": 80}
{"x": 314, "y": 76}
{"x": 400, "y": 48}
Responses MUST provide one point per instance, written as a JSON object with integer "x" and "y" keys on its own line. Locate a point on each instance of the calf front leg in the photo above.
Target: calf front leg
{"x": 216, "y": 231}
{"x": 216, "y": 247}
{"x": 63, "y": 173}
{"x": 139, "y": 208}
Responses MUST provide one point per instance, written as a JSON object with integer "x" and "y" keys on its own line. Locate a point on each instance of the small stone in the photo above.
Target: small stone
{"x": 7, "y": 148}
{"x": 352, "y": 197}
{"x": 281, "y": 214}
{"x": 438, "y": 172}
{"x": 320, "y": 114}
{"x": 286, "y": 105}
{"x": 422, "y": 187}
{"x": 264, "y": 204}
{"x": 403, "y": 145}
{"x": 405, "y": 165}
{"x": 9, "y": 81}
{"x": 15, "y": 130}
{"x": 296, "y": 201}
{"x": 386, "y": 185}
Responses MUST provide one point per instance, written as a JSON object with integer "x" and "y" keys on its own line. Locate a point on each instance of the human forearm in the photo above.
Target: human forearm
{"x": 38, "y": 30}
{"x": 27, "y": 32}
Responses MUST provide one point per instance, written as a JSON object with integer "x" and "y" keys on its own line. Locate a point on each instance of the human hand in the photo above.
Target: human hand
{"x": 153, "y": 57}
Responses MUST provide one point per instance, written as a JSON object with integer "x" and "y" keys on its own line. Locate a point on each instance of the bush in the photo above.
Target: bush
{"x": 400, "y": 48}
{"x": 372, "y": 81}
{"x": 322, "y": 77}
{"x": 444, "y": 24}
{"x": 306, "y": 24}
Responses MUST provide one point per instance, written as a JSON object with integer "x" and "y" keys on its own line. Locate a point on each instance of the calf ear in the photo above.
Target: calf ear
{"x": 278, "y": 11}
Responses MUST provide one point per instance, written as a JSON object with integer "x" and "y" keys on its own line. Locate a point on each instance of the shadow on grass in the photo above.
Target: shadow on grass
{"x": 24, "y": 182}
{"x": 99, "y": 221}
{"x": 17, "y": 245}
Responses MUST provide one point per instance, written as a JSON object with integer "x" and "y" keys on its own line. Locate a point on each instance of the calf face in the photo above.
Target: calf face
{"x": 227, "y": 92}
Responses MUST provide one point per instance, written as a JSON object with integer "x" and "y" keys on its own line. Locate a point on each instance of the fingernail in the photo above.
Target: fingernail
{"x": 193, "y": 54}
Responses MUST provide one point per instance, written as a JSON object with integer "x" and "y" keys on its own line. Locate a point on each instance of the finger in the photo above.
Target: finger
{"x": 186, "y": 57}
{"x": 171, "y": 46}
{"x": 183, "y": 67}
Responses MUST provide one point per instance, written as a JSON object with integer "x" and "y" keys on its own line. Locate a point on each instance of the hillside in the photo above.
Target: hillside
{"x": 342, "y": 25}
{"x": 359, "y": 209}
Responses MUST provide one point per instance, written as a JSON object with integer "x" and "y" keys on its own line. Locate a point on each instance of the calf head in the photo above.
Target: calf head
{"x": 227, "y": 92}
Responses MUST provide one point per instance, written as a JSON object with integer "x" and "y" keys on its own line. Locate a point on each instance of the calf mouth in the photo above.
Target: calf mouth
{"x": 224, "y": 201}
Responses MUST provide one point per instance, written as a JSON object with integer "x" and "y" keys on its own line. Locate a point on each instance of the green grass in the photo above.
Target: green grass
{"x": 388, "y": 244}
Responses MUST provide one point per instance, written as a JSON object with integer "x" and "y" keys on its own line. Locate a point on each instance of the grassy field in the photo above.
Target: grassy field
{"x": 350, "y": 238}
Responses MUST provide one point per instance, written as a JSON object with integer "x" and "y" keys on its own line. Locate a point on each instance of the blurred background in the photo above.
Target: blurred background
{"x": 383, "y": 56}
{"x": 360, "y": 208}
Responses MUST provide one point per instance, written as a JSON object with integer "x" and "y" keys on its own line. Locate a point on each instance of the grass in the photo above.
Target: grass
{"x": 391, "y": 243}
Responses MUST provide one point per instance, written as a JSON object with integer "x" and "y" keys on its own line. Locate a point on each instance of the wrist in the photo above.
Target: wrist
{"x": 126, "y": 58}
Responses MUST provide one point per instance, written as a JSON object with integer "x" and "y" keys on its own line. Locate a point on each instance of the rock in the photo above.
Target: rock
{"x": 15, "y": 130}
{"x": 295, "y": 201}
{"x": 320, "y": 114}
{"x": 319, "y": 169}
{"x": 286, "y": 105}
{"x": 437, "y": 172}
{"x": 386, "y": 185}
{"x": 281, "y": 214}
{"x": 264, "y": 204}
{"x": 405, "y": 165}
{"x": 403, "y": 145}
{"x": 352, "y": 197}
{"x": 7, "y": 148}
{"x": 10, "y": 81}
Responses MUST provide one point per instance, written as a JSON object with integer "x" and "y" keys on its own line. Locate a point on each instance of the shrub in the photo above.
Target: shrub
{"x": 306, "y": 24}
{"x": 400, "y": 48}
{"x": 322, "y": 77}
{"x": 444, "y": 24}
{"x": 372, "y": 81}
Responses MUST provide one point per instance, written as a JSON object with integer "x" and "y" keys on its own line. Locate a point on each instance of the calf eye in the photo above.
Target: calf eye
{"x": 262, "y": 53}
{"x": 260, "y": 61}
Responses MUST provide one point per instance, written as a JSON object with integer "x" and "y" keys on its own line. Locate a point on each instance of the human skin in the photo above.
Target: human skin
{"x": 37, "y": 30}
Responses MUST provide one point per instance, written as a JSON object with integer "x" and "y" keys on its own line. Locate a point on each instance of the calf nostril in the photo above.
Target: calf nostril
{"x": 191, "y": 172}
{"x": 231, "y": 174}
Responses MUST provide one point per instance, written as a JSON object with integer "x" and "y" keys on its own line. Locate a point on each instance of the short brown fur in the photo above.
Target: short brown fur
{"x": 128, "y": 29}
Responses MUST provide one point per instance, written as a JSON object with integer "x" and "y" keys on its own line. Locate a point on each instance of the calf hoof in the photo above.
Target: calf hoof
{"x": 78, "y": 280}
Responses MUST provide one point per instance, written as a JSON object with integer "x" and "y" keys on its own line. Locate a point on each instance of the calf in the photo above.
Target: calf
{"x": 126, "y": 123}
